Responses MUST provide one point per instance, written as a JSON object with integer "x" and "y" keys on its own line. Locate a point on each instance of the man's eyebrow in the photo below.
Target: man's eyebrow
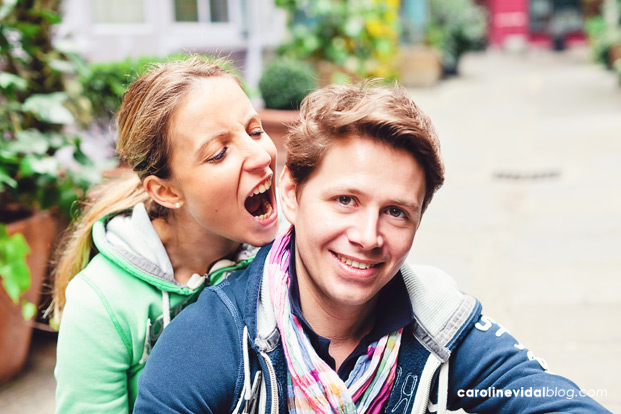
{"x": 404, "y": 202}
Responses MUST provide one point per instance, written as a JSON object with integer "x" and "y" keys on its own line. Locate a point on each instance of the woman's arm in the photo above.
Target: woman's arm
{"x": 93, "y": 356}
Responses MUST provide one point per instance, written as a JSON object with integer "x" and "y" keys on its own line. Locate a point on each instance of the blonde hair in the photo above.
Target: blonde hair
{"x": 143, "y": 125}
{"x": 386, "y": 114}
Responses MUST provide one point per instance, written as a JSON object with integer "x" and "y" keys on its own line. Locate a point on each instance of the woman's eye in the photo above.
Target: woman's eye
{"x": 396, "y": 212}
{"x": 218, "y": 156}
{"x": 345, "y": 200}
{"x": 257, "y": 134}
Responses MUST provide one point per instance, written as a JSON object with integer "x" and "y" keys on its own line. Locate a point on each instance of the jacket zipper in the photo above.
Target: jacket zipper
{"x": 273, "y": 386}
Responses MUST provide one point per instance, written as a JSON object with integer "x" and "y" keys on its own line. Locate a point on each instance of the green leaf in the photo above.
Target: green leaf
{"x": 13, "y": 268}
{"x": 6, "y": 8}
{"x": 62, "y": 66}
{"x": 10, "y": 80}
{"x": 5, "y": 178}
{"x": 30, "y": 141}
{"x": 49, "y": 108}
{"x": 51, "y": 16}
{"x": 34, "y": 165}
{"x": 29, "y": 310}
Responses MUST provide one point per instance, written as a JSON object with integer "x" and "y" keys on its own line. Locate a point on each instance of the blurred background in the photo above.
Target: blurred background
{"x": 525, "y": 96}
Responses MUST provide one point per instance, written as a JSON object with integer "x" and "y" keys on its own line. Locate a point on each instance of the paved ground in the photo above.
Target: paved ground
{"x": 529, "y": 220}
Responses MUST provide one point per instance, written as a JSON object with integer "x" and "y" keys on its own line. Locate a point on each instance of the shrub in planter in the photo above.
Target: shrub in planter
{"x": 283, "y": 85}
{"x": 105, "y": 83}
{"x": 455, "y": 27}
{"x": 285, "y": 82}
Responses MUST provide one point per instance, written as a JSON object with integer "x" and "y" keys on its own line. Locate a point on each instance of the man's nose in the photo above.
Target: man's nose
{"x": 365, "y": 233}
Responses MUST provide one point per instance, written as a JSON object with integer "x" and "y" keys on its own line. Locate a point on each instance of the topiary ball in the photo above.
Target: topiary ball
{"x": 285, "y": 82}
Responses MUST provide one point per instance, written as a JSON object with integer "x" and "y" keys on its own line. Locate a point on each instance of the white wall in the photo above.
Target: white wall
{"x": 254, "y": 26}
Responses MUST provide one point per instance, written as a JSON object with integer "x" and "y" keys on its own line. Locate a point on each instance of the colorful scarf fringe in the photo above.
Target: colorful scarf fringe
{"x": 313, "y": 386}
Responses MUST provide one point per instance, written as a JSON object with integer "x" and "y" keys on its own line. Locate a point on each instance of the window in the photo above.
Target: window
{"x": 118, "y": 11}
{"x": 186, "y": 11}
{"x": 219, "y": 10}
{"x": 214, "y": 11}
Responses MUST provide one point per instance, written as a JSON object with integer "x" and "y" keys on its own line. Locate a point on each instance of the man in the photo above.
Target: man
{"x": 327, "y": 318}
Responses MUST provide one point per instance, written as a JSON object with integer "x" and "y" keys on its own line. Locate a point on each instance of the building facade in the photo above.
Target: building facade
{"x": 108, "y": 30}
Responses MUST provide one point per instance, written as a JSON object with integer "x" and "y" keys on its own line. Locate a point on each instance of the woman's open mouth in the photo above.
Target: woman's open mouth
{"x": 259, "y": 203}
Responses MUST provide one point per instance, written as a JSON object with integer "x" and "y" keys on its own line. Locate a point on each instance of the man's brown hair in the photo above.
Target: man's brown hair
{"x": 386, "y": 114}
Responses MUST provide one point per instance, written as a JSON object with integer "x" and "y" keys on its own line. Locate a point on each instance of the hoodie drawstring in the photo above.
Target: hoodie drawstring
{"x": 443, "y": 388}
{"x": 165, "y": 308}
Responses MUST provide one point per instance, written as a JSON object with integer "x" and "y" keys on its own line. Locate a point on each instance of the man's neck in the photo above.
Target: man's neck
{"x": 343, "y": 326}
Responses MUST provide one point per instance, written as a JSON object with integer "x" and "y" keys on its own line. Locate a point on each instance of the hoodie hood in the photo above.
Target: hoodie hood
{"x": 130, "y": 241}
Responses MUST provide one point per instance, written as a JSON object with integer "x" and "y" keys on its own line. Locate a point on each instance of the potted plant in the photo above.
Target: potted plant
{"x": 343, "y": 39}
{"x": 283, "y": 85}
{"x": 455, "y": 27}
{"x": 604, "y": 39}
{"x": 37, "y": 182}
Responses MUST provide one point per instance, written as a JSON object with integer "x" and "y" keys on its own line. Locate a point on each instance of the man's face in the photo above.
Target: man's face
{"x": 355, "y": 220}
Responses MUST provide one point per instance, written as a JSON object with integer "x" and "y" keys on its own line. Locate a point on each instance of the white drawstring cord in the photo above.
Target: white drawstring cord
{"x": 443, "y": 388}
{"x": 166, "y": 308}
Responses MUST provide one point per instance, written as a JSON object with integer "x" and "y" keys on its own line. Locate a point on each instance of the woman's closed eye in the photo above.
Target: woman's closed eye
{"x": 218, "y": 156}
{"x": 257, "y": 134}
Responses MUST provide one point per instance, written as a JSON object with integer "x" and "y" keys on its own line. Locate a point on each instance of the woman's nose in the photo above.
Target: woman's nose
{"x": 257, "y": 155}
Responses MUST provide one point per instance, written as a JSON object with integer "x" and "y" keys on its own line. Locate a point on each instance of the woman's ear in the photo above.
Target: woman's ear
{"x": 163, "y": 192}
{"x": 287, "y": 189}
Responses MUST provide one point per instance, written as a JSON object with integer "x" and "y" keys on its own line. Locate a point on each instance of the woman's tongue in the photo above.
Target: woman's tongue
{"x": 253, "y": 204}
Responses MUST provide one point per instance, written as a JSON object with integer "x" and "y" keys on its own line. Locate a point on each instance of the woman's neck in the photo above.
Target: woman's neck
{"x": 189, "y": 250}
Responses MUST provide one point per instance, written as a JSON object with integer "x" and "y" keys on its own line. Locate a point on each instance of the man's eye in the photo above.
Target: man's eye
{"x": 345, "y": 200}
{"x": 396, "y": 212}
{"x": 218, "y": 156}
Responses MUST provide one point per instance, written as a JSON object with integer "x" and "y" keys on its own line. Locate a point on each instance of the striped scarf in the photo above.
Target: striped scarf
{"x": 313, "y": 386}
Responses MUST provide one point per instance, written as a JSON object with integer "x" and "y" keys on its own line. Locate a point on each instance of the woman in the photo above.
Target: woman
{"x": 201, "y": 188}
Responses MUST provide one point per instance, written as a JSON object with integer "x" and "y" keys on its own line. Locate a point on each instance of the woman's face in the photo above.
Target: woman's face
{"x": 223, "y": 164}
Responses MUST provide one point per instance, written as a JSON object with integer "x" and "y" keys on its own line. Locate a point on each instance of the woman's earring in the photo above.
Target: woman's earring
{"x": 177, "y": 204}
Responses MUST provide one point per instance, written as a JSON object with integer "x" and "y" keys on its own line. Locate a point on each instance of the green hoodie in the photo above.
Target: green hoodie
{"x": 114, "y": 313}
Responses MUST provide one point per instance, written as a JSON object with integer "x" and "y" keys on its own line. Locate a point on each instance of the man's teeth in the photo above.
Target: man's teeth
{"x": 263, "y": 187}
{"x": 354, "y": 263}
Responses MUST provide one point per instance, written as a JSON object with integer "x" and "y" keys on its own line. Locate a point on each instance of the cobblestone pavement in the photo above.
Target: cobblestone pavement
{"x": 528, "y": 221}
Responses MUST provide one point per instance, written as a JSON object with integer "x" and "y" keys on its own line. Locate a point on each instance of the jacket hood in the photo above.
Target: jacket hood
{"x": 130, "y": 241}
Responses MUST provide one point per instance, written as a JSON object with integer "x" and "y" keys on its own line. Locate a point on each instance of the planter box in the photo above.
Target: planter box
{"x": 419, "y": 66}
{"x": 40, "y": 231}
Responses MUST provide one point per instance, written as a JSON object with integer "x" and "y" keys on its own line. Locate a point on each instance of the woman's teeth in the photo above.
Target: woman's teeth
{"x": 268, "y": 210}
{"x": 354, "y": 263}
{"x": 263, "y": 187}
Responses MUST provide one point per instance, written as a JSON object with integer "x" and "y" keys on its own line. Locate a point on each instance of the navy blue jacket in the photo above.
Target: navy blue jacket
{"x": 208, "y": 359}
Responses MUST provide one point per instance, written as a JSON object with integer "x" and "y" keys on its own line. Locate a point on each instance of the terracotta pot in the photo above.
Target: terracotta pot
{"x": 276, "y": 122}
{"x": 327, "y": 71}
{"x": 420, "y": 66}
{"x": 40, "y": 231}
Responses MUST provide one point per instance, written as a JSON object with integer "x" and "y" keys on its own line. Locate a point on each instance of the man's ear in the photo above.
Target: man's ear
{"x": 287, "y": 189}
{"x": 162, "y": 192}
